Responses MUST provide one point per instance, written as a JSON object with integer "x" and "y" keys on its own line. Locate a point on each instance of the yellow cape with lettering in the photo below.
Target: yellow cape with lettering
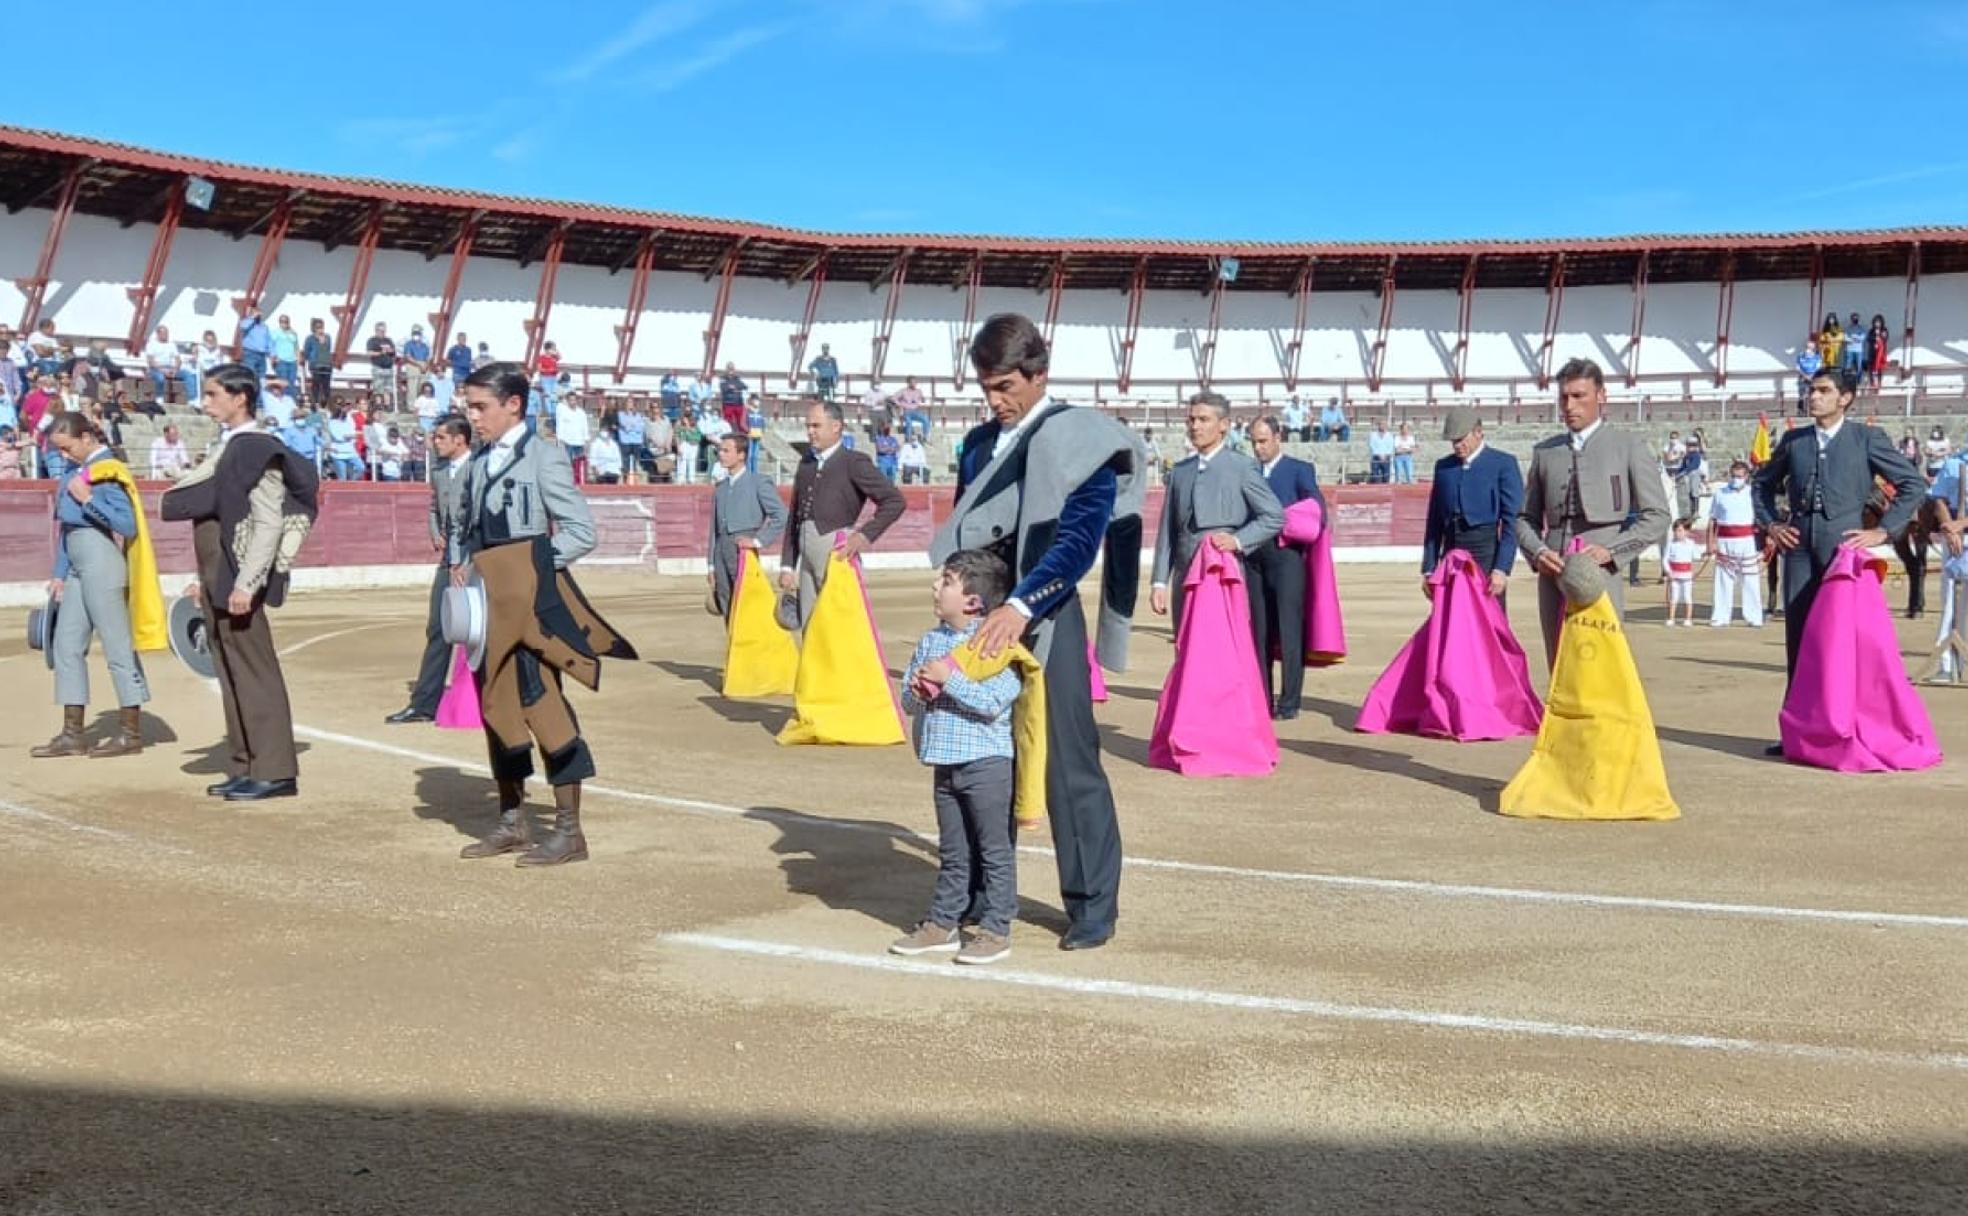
{"x": 1597, "y": 756}
{"x": 146, "y": 598}
{"x": 1028, "y": 724}
{"x": 760, "y": 659}
{"x": 842, "y": 693}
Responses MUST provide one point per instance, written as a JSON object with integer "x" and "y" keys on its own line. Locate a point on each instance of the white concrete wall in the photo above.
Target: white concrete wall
{"x": 99, "y": 261}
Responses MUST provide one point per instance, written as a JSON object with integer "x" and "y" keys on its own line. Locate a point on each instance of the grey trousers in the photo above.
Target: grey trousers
{"x": 973, "y": 825}
{"x": 1551, "y": 608}
{"x": 95, "y": 600}
{"x": 815, "y": 549}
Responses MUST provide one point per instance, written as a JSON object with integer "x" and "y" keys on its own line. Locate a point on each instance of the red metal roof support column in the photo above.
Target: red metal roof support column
{"x": 1639, "y": 319}
{"x": 1377, "y": 362}
{"x": 1465, "y": 308}
{"x": 1817, "y": 289}
{"x": 350, "y": 309}
{"x": 801, "y": 337}
{"x": 1052, "y": 301}
{"x": 1302, "y": 304}
{"x": 1554, "y": 307}
{"x": 144, "y": 298}
{"x": 1912, "y": 305}
{"x": 625, "y": 333}
{"x": 536, "y": 326}
{"x": 1137, "y": 292}
{"x": 727, "y": 270}
{"x": 263, "y": 263}
{"x": 975, "y": 278}
{"x": 897, "y": 275}
{"x": 36, "y": 287}
{"x": 1206, "y": 366}
{"x": 448, "y": 306}
{"x": 1725, "y": 313}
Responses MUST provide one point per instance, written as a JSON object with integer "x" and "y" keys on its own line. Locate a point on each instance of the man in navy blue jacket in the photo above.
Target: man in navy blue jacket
{"x": 1473, "y": 503}
{"x": 1276, "y": 573}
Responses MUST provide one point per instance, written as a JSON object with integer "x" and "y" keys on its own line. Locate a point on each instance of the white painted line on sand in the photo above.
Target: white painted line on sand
{"x": 1407, "y": 886}
{"x": 331, "y": 635}
{"x": 1324, "y": 1010}
{"x": 30, "y": 814}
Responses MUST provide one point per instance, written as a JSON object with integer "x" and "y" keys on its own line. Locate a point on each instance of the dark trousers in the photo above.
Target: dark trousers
{"x": 1479, "y": 542}
{"x": 1086, "y": 833}
{"x": 436, "y": 662}
{"x": 1276, "y": 581}
{"x": 320, "y": 380}
{"x": 1803, "y": 572}
{"x": 976, "y": 875}
{"x": 259, "y": 721}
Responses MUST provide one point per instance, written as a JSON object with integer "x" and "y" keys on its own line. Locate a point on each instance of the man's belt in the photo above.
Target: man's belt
{"x": 1735, "y": 531}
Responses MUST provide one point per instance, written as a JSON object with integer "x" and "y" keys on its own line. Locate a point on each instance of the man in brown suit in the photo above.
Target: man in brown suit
{"x": 1592, "y": 484}
{"x": 832, "y": 485}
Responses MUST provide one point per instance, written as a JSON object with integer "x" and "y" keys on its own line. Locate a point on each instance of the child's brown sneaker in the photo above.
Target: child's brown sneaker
{"x": 983, "y": 946}
{"x": 926, "y": 938}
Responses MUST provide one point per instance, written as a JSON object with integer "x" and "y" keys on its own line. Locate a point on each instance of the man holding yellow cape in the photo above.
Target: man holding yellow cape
{"x": 760, "y": 659}
{"x": 842, "y": 693}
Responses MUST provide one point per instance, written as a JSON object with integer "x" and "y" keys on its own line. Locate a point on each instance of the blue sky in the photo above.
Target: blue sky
{"x": 1232, "y": 120}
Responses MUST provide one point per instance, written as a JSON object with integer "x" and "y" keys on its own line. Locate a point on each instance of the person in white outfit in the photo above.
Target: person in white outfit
{"x": 1732, "y": 543}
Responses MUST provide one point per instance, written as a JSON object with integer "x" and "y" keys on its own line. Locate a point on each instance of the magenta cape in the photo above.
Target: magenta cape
{"x": 1098, "y": 681}
{"x": 1462, "y": 675}
{"x": 1325, "y": 629}
{"x": 1212, "y": 720}
{"x": 1850, "y": 706}
{"x": 459, "y": 708}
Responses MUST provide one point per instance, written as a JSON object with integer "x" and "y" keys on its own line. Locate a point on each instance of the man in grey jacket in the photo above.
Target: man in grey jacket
{"x": 1593, "y": 486}
{"x": 746, "y": 513}
{"x": 451, "y": 443}
{"x": 1219, "y": 494}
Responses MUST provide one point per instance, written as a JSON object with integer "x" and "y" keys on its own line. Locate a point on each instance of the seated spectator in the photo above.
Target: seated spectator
{"x": 168, "y": 457}
{"x": 390, "y": 455}
{"x": 1935, "y": 452}
{"x": 888, "y": 451}
{"x": 1332, "y": 423}
{"x": 416, "y": 464}
{"x": 915, "y": 460}
{"x": 659, "y": 444}
{"x": 632, "y": 436}
{"x": 278, "y": 402}
{"x": 161, "y": 361}
{"x": 13, "y": 455}
{"x": 1380, "y": 454}
{"x": 910, "y": 402}
{"x": 605, "y": 458}
{"x": 429, "y": 408}
{"x": 1297, "y": 420}
{"x": 304, "y": 435}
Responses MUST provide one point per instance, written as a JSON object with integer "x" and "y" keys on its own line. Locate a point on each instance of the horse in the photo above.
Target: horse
{"x": 1911, "y": 545}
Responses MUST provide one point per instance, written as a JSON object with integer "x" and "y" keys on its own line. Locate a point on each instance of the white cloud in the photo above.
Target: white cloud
{"x": 657, "y": 22}
{"x": 712, "y": 56}
{"x": 411, "y": 136}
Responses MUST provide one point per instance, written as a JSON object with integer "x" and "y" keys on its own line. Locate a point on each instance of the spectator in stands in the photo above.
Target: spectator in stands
{"x": 12, "y": 378}
{"x": 460, "y": 359}
{"x": 689, "y": 448}
{"x": 1831, "y": 341}
{"x": 715, "y": 428}
{"x": 1297, "y": 420}
{"x": 731, "y": 399}
{"x": 1854, "y": 362}
{"x": 382, "y": 364}
{"x": 660, "y": 442}
{"x": 1404, "y": 456}
{"x": 888, "y": 453}
{"x": 1671, "y": 454}
{"x": 1332, "y": 423}
{"x": 671, "y": 390}
{"x": 1809, "y": 362}
{"x": 415, "y": 463}
{"x": 255, "y": 341}
{"x": 161, "y": 363}
{"x": 703, "y": 395}
{"x": 319, "y": 351}
{"x": 390, "y": 455}
{"x": 13, "y": 454}
{"x": 168, "y": 457}
{"x": 914, "y": 460}
{"x": 374, "y": 432}
{"x": 910, "y": 402}
{"x": 547, "y": 368}
{"x": 826, "y": 373}
{"x": 278, "y": 404}
{"x": 416, "y": 363}
{"x": 303, "y": 435}
{"x": 1910, "y": 446}
{"x": 44, "y": 349}
{"x": 427, "y": 406}
{"x": 874, "y": 404}
{"x": 1935, "y": 453}
{"x": 1878, "y": 342}
{"x": 286, "y": 351}
{"x": 575, "y": 429}
{"x": 1380, "y": 454}
{"x": 632, "y": 434}
{"x": 9, "y": 412}
{"x": 605, "y": 459}
{"x": 484, "y": 356}
{"x": 36, "y": 403}
{"x": 343, "y": 458}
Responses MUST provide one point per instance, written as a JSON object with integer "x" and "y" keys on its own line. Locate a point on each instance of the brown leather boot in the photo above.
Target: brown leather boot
{"x": 515, "y": 830}
{"x": 566, "y": 842}
{"x": 128, "y": 739}
{"x": 69, "y": 742}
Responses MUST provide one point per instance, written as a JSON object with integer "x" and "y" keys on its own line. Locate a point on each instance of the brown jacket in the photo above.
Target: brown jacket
{"x": 832, "y": 497}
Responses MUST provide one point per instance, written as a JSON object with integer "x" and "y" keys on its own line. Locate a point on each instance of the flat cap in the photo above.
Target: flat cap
{"x": 1459, "y": 421}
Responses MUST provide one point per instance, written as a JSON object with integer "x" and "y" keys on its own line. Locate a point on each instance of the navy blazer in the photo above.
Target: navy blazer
{"x": 1489, "y": 492}
{"x": 1083, "y": 524}
{"x": 1294, "y": 480}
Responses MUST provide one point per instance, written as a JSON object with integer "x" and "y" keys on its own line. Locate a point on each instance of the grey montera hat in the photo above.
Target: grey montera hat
{"x": 1459, "y": 421}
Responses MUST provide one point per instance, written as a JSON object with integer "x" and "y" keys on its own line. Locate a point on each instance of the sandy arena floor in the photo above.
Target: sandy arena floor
{"x": 1350, "y": 987}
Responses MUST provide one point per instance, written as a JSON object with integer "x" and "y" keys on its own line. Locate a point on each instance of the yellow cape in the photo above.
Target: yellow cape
{"x": 760, "y": 659}
{"x": 842, "y": 693}
{"x": 1028, "y": 723}
{"x": 1597, "y": 756}
{"x": 146, "y": 597}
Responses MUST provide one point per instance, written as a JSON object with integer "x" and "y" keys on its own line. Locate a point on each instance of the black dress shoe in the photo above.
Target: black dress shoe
{"x": 409, "y": 714}
{"x": 1086, "y": 937}
{"x": 249, "y": 790}
{"x": 1775, "y": 749}
{"x": 224, "y": 787}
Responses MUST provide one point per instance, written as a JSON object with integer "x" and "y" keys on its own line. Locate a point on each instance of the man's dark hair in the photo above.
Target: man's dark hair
{"x": 1217, "y": 402}
{"x": 76, "y": 425}
{"x": 833, "y": 411}
{"x": 506, "y": 380}
{"x": 1581, "y": 369}
{"x": 1848, "y": 386}
{"x": 237, "y": 379}
{"x": 744, "y": 442}
{"x": 1268, "y": 420}
{"x": 455, "y": 426}
{"x": 981, "y": 574}
{"x": 1739, "y": 464}
{"x": 1009, "y": 343}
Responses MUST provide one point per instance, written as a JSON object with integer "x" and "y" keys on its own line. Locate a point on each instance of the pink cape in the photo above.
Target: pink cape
{"x": 1850, "y": 707}
{"x": 1212, "y": 720}
{"x": 1093, "y": 673}
{"x": 1462, "y": 675}
{"x": 1325, "y": 628}
{"x": 459, "y": 708}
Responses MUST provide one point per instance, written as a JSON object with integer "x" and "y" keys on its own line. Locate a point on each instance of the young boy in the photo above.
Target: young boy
{"x": 1682, "y": 553}
{"x": 963, "y": 728}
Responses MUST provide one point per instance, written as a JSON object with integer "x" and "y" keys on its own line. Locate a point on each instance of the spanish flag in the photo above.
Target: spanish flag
{"x": 1759, "y": 447}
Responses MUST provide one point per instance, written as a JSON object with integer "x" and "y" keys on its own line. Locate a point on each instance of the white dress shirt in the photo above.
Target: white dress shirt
{"x": 1580, "y": 438}
{"x": 502, "y": 449}
{"x": 1006, "y": 437}
{"x": 1828, "y": 433}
